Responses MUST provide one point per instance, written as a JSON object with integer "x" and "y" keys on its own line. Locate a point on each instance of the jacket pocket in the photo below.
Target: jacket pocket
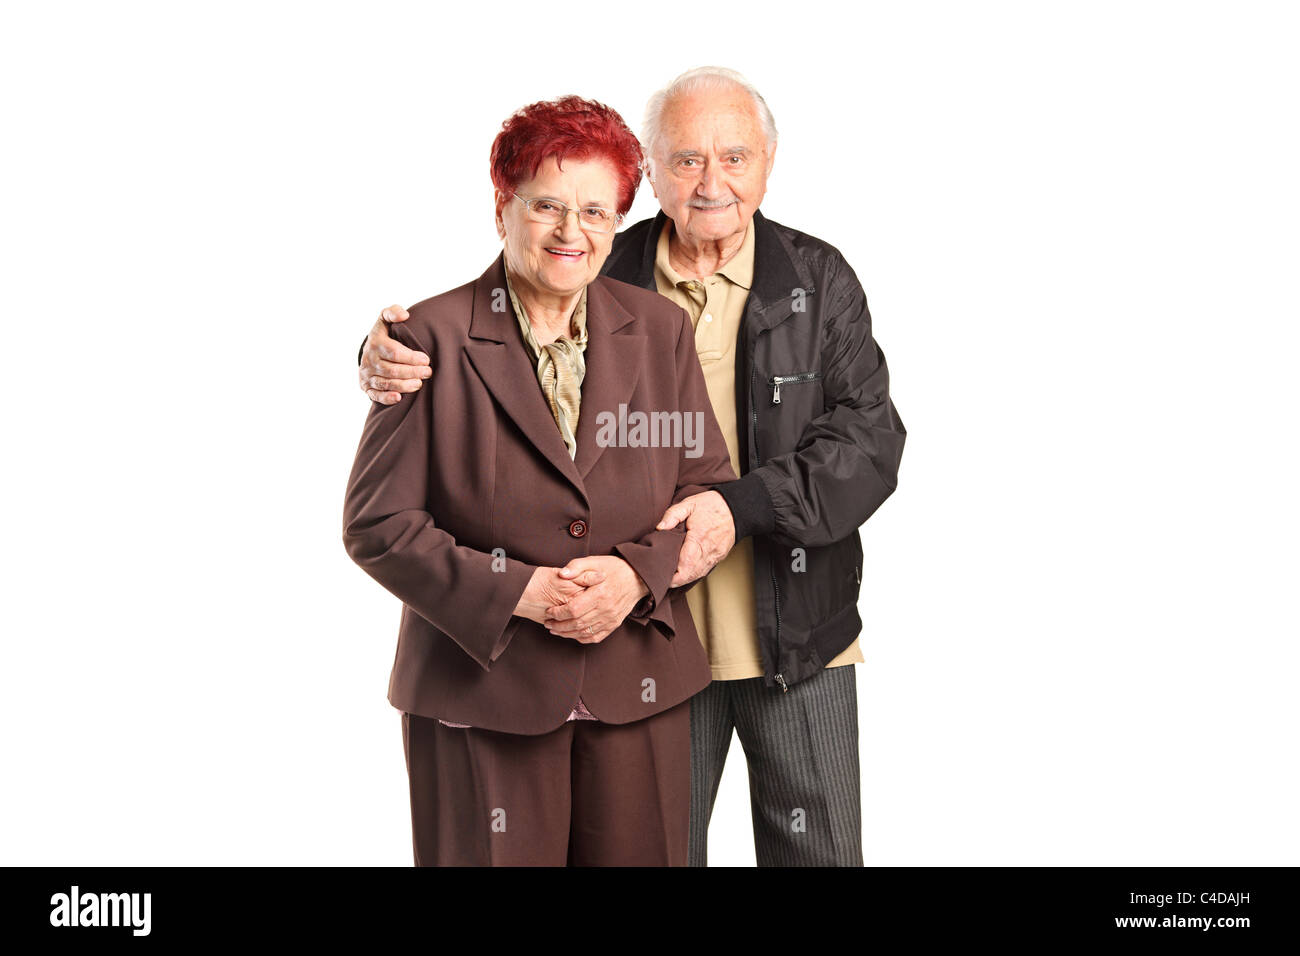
{"x": 777, "y": 382}
{"x": 818, "y": 583}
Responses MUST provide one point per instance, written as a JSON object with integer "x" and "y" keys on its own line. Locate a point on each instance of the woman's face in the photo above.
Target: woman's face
{"x": 558, "y": 258}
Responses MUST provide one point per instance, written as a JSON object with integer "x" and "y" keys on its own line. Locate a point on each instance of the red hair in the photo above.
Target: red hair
{"x": 569, "y": 127}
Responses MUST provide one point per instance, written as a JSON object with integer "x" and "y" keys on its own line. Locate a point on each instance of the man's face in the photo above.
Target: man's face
{"x": 710, "y": 166}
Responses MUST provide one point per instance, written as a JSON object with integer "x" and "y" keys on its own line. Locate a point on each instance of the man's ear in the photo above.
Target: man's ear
{"x": 771, "y": 158}
{"x": 649, "y": 176}
{"x": 501, "y": 199}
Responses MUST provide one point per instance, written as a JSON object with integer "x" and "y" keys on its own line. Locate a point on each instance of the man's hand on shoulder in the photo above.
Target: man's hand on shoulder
{"x": 388, "y": 368}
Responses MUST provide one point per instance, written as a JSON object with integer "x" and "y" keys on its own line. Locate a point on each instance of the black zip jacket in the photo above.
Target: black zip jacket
{"x": 820, "y": 438}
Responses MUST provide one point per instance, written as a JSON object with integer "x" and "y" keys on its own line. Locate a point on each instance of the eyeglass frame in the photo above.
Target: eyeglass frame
{"x": 528, "y": 204}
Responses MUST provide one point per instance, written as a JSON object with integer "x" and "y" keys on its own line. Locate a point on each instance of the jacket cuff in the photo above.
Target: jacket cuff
{"x": 656, "y": 567}
{"x": 490, "y": 604}
{"x": 750, "y": 504}
{"x": 504, "y": 640}
{"x": 659, "y": 612}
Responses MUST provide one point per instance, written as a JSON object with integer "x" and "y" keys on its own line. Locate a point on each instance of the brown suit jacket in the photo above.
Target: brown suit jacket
{"x": 474, "y": 462}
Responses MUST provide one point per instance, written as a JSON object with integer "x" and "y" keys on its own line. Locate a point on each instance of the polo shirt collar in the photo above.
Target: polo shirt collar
{"x": 739, "y": 269}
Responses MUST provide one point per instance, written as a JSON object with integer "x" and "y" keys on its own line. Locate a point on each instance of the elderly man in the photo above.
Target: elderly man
{"x": 801, "y": 391}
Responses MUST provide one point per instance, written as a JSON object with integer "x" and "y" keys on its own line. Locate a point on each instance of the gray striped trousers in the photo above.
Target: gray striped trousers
{"x": 802, "y": 750}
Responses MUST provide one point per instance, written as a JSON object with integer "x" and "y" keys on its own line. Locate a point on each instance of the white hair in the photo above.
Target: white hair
{"x": 694, "y": 81}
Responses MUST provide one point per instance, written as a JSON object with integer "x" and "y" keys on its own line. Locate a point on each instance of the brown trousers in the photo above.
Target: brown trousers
{"x": 587, "y": 794}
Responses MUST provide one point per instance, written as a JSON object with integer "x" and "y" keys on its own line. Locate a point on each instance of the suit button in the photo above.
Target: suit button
{"x": 578, "y": 528}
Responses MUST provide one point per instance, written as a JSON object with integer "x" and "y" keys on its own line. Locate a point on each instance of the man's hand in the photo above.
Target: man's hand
{"x": 710, "y": 534}
{"x": 593, "y": 615}
{"x": 389, "y": 368}
{"x": 547, "y": 588}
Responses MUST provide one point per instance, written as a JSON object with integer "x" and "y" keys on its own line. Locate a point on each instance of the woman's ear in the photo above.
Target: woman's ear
{"x": 501, "y": 200}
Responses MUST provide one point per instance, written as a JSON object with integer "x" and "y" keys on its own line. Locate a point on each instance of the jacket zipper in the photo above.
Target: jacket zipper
{"x": 780, "y": 678}
{"x": 753, "y": 446}
{"x": 780, "y": 380}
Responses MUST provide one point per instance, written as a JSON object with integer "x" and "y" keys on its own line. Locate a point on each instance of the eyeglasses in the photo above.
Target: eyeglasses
{"x": 590, "y": 218}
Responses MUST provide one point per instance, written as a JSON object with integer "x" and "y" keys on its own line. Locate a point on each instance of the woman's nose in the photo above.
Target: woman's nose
{"x": 568, "y": 229}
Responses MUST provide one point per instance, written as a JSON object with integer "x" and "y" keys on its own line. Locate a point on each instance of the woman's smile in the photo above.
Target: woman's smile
{"x": 565, "y": 254}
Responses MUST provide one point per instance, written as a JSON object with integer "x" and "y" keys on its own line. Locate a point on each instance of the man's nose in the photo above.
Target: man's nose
{"x": 711, "y": 183}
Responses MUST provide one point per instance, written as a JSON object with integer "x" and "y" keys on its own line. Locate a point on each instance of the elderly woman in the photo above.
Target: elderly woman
{"x": 543, "y": 663}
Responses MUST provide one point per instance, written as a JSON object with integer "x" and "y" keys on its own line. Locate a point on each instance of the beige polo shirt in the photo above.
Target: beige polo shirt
{"x": 722, "y": 604}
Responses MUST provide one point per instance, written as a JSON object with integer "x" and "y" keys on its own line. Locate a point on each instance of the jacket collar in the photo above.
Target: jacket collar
{"x": 779, "y": 273}
{"x": 614, "y": 355}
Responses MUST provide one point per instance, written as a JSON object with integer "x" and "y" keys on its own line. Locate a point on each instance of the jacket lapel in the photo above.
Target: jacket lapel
{"x": 499, "y": 357}
{"x": 777, "y": 274}
{"x": 632, "y": 260}
{"x": 614, "y": 360}
{"x": 498, "y": 354}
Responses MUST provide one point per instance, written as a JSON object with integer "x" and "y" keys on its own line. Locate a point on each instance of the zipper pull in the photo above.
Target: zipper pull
{"x": 776, "y": 390}
{"x": 780, "y": 679}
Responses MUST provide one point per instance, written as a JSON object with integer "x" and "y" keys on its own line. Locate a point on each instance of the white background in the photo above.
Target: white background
{"x": 1076, "y": 225}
